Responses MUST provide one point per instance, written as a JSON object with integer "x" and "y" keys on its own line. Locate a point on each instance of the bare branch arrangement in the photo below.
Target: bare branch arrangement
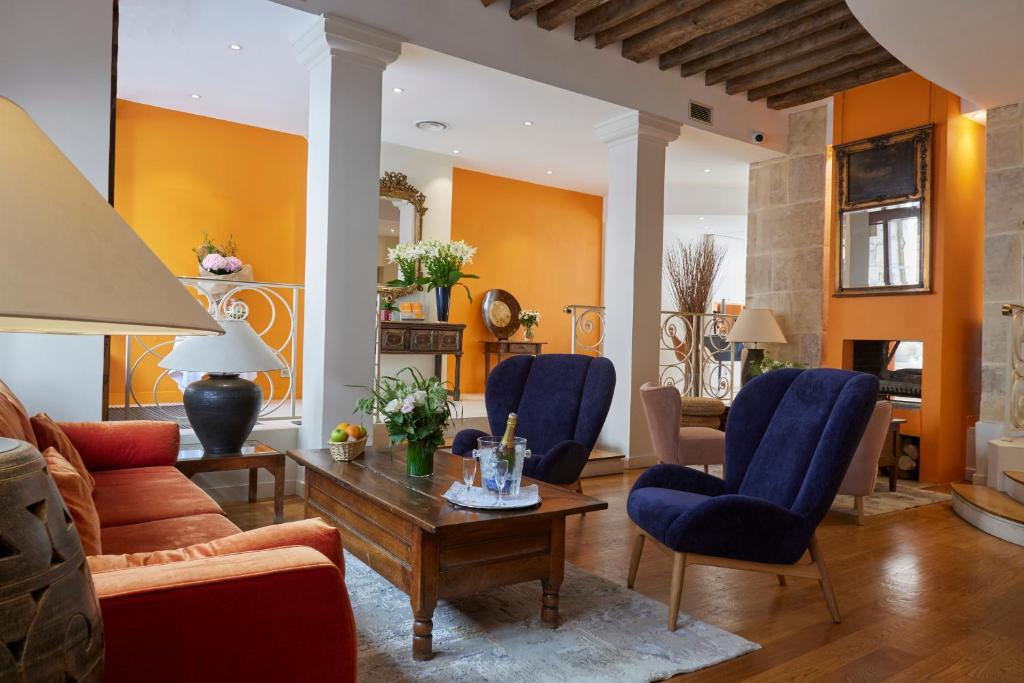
{"x": 691, "y": 269}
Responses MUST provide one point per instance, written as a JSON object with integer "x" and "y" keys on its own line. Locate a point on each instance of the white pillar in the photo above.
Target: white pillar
{"x": 346, "y": 62}
{"x": 406, "y": 220}
{"x": 633, "y": 270}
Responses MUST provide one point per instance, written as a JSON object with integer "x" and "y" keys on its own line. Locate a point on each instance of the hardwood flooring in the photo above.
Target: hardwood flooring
{"x": 923, "y": 595}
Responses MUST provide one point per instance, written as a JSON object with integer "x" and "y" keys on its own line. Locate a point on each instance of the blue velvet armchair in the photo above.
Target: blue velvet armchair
{"x": 562, "y": 401}
{"x": 789, "y": 439}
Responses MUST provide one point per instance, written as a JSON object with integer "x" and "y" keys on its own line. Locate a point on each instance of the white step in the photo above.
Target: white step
{"x": 990, "y": 510}
{"x": 1014, "y": 484}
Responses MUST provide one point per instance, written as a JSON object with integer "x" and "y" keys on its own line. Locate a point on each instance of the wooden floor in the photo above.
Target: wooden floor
{"x": 924, "y": 596}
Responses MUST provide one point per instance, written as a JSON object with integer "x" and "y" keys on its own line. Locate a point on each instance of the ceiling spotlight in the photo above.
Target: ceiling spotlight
{"x": 456, "y": 151}
{"x": 700, "y": 218}
{"x": 432, "y": 126}
{"x": 707, "y": 170}
{"x": 398, "y": 91}
{"x": 527, "y": 123}
{"x": 235, "y": 46}
{"x": 549, "y": 172}
{"x": 194, "y": 96}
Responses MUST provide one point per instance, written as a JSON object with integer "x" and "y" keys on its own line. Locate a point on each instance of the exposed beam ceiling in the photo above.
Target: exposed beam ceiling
{"x": 789, "y": 52}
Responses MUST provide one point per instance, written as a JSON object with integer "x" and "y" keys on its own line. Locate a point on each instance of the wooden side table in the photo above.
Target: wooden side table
{"x": 507, "y": 347}
{"x": 891, "y": 452}
{"x": 434, "y": 339}
{"x": 255, "y": 455}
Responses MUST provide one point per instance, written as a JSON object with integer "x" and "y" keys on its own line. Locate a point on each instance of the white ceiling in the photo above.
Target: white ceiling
{"x": 973, "y": 49}
{"x": 170, "y": 49}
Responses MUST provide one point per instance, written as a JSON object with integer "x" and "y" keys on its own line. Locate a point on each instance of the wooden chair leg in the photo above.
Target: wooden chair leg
{"x": 858, "y": 503}
{"x": 676, "y": 596}
{"x": 705, "y": 468}
{"x": 634, "y": 559}
{"x": 782, "y": 579}
{"x": 824, "y": 582}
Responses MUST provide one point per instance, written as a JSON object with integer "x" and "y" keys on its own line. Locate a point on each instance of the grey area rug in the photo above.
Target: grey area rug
{"x": 607, "y": 634}
{"x": 882, "y": 501}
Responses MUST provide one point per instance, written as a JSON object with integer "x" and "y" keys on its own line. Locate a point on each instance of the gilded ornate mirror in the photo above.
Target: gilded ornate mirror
{"x": 400, "y": 220}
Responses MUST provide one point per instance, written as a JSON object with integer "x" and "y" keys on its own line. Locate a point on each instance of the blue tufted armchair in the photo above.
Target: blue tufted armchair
{"x": 789, "y": 439}
{"x": 562, "y": 401}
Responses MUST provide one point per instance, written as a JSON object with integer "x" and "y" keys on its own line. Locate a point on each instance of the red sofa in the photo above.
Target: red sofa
{"x": 269, "y": 604}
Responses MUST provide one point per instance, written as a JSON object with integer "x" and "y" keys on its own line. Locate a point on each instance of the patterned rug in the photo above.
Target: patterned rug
{"x": 906, "y": 496}
{"x": 608, "y": 634}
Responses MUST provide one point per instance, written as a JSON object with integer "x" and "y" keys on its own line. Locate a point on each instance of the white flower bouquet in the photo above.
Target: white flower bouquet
{"x": 444, "y": 262}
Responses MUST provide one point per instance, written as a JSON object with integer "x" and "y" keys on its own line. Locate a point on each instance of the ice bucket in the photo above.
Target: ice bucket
{"x": 486, "y": 453}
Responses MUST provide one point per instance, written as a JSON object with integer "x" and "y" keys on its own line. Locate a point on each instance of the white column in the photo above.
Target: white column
{"x": 346, "y": 62}
{"x": 406, "y": 221}
{"x": 633, "y": 271}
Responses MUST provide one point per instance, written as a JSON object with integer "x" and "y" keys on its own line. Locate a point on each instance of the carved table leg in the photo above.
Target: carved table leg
{"x": 279, "y": 473}
{"x": 253, "y": 483}
{"x": 550, "y": 585}
{"x": 423, "y": 593}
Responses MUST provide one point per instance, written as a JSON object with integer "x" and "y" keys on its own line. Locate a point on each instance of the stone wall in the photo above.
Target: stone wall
{"x": 786, "y": 237}
{"x": 1004, "y": 246}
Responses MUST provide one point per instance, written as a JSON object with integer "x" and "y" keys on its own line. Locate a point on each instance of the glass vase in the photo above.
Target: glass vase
{"x": 419, "y": 459}
{"x": 528, "y": 334}
{"x": 444, "y": 300}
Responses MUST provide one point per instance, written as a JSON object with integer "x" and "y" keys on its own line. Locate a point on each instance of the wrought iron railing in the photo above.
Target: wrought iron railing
{"x": 694, "y": 354}
{"x": 273, "y": 310}
{"x": 1014, "y": 419}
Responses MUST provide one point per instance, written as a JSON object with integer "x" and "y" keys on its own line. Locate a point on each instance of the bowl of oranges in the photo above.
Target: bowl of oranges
{"x": 347, "y": 441}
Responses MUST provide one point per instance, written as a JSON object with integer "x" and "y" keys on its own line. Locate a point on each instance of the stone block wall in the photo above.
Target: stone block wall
{"x": 786, "y": 237}
{"x": 1004, "y": 248}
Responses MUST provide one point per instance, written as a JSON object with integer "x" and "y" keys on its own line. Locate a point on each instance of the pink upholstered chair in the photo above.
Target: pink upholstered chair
{"x": 863, "y": 472}
{"x": 674, "y": 444}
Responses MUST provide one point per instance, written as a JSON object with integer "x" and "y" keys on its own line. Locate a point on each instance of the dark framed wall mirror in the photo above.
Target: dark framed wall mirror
{"x": 884, "y": 214}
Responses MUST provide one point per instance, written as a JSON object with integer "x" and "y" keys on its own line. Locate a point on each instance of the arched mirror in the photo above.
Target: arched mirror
{"x": 400, "y": 221}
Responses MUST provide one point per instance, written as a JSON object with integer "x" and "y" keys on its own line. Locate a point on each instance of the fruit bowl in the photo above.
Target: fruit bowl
{"x": 344, "y": 451}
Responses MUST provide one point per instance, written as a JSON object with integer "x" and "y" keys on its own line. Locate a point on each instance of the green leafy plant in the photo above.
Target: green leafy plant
{"x": 407, "y": 257}
{"x": 208, "y": 246}
{"x": 767, "y": 364}
{"x": 417, "y": 410}
{"x": 388, "y": 305}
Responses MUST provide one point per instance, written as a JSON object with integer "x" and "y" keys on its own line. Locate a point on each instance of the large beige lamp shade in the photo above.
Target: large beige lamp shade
{"x": 68, "y": 263}
{"x": 756, "y": 326}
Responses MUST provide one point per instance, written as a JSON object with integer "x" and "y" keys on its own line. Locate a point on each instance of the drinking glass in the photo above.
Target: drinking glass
{"x": 469, "y": 471}
{"x": 500, "y": 476}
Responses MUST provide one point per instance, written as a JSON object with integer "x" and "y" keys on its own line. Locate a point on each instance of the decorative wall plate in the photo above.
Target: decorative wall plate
{"x": 501, "y": 313}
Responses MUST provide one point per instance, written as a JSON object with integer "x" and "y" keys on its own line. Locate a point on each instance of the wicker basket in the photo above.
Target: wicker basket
{"x": 347, "y": 450}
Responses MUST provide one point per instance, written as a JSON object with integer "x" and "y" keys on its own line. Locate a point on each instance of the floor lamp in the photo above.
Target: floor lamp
{"x": 65, "y": 259}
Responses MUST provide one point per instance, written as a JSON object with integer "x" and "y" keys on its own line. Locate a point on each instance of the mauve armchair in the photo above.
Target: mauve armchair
{"x": 562, "y": 401}
{"x": 789, "y": 439}
{"x": 674, "y": 444}
{"x": 863, "y": 471}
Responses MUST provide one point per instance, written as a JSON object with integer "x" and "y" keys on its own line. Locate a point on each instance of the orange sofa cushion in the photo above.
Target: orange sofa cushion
{"x": 144, "y": 494}
{"x": 313, "y": 533}
{"x": 165, "y": 534}
{"x": 50, "y": 435}
{"x": 78, "y": 499}
{"x": 14, "y": 422}
{"x": 131, "y": 443}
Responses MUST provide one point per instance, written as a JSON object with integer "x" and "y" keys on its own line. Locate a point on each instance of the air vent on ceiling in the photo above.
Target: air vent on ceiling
{"x": 700, "y": 112}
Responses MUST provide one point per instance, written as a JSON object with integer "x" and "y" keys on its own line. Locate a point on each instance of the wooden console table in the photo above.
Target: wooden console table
{"x": 507, "y": 347}
{"x": 423, "y": 338}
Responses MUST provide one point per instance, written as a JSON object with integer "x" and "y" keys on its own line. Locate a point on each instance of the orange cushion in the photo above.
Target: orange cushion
{"x": 144, "y": 494}
{"x": 312, "y": 533}
{"x": 130, "y": 443}
{"x": 166, "y": 534}
{"x": 14, "y": 422}
{"x": 78, "y": 499}
{"x": 50, "y": 435}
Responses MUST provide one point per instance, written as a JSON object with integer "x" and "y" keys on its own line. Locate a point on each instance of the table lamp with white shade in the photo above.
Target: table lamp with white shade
{"x": 69, "y": 265}
{"x": 223, "y": 408}
{"x": 754, "y": 326}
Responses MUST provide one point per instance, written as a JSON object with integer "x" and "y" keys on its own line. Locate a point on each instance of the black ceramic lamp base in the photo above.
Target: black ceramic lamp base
{"x": 753, "y": 356}
{"x": 222, "y": 410}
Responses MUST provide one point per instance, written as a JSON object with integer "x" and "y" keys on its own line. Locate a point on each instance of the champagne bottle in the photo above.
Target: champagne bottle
{"x": 507, "y": 448}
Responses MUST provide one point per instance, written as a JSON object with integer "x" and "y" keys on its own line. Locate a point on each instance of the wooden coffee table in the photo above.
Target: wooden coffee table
{"x": 428, "y": 548}
{"x": 253, "y": 456}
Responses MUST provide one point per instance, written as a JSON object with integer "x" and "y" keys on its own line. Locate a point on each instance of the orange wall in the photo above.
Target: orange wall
{"x": 177, "y": 175}
{"x": 540, "y": 243}
{"x": 948, "y": 320}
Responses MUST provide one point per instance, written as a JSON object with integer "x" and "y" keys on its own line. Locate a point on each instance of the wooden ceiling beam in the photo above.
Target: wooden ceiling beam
{"x": 822, "y": 73}
{"x": 798, "y": 65}
{"x": 558, "y": 12}
{"x": 702, "y": 21}
{"x": 653, "y": 17}
{"x": 819, "y": 91}
{"x": 692, "y": 63}
{"x": 609, "y": 14}
{"x": 518, "y": 9}
{"x": 844, "y": 30}
{"x": 772, "y": 18}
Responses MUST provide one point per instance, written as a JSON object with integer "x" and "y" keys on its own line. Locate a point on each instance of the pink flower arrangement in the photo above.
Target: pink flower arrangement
{"x": 221, "y": 265}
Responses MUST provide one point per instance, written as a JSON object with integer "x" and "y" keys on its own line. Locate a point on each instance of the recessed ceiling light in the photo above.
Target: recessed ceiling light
{"x": 707, "y": 170}
{"x": 194, "y": 96}
{"x": 700, "y": 218}
{"x": 398, "y": 91}
{"x": 235, "y": 46}
{"x": 456, "y": 151}
{"x": 549, "y": 172}
{"x": 432, "y": 126}
{"x": 527, "y": 123}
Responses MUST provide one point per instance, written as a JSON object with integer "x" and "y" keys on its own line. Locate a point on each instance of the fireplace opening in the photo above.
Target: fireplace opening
{"x": 899, "y": 366}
